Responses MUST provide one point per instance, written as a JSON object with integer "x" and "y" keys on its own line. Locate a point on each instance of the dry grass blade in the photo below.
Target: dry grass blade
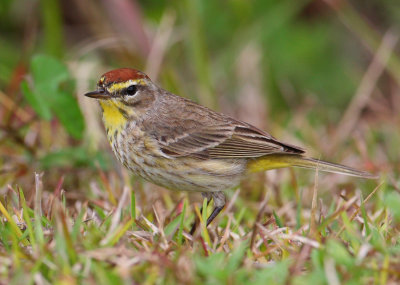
{"x": 116, "y": 217}
{"x": 11, "y": 106}
{"x": 365, "y": 89}
{"x": 330, "y": 271}
{"x": 225, "y": 235}
{"x": 258, "y": 218}
{"x": 38, "y": 194}
{"x": 313, "y": 219}
{"x": 359, "y": 208}
{"x": 160, "y": 44}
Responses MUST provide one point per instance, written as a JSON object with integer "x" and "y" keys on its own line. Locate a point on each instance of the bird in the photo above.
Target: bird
{"x": 180, "y": 145}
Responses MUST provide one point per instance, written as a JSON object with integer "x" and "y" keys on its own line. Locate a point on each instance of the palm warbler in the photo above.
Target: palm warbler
{"x": 178, "y": 144}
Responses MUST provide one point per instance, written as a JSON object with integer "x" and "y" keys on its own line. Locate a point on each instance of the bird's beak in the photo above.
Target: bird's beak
{"x": 99, "y": 94}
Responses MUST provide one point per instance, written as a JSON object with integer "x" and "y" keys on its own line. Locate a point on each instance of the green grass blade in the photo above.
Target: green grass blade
{"x": 27, "y": 218}
{"x": 180, "y": 230}
{"x": 16, "y": 230}
{"x": 133, "y": 207}
{"x": 120, "y": 232}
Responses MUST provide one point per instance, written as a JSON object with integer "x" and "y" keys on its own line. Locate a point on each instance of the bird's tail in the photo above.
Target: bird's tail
{"x": 274, "y": 161}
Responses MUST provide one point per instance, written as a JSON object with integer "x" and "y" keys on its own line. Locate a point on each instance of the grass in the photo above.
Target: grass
{"x": 349, "y": 239}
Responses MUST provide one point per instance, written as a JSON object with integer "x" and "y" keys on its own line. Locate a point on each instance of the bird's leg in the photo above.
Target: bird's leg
{"x": 209, "y": 196}
{"x": 219, "y": 203}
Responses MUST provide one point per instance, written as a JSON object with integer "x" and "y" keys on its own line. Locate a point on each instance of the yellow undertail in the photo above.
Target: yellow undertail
{"x": 288, "y": 160}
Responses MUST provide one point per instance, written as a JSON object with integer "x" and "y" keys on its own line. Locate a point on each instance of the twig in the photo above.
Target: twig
{"x": 11, "y": 106}
{"x": 365, "y": 88}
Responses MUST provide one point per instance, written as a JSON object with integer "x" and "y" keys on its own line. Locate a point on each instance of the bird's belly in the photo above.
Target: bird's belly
{"x": 140, "y": 155}
{"x": 190, "y": 174}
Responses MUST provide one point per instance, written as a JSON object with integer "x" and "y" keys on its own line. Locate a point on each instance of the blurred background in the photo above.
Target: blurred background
{"x": 323, "y": 75}
{"x": 320, "y": 74}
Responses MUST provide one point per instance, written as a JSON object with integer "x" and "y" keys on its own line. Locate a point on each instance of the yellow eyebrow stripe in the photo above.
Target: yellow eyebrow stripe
{"x": 122, "y": 85}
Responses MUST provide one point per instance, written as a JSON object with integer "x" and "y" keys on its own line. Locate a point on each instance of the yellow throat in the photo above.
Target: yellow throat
{"x": 112, "y": 116}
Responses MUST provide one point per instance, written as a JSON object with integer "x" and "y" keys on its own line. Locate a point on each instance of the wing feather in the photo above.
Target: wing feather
{"x": 196, "y": 131}
{"x": 239, "y": 142}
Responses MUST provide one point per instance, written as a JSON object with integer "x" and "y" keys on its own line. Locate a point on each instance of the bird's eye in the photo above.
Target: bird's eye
{"x": 131, "y": 90}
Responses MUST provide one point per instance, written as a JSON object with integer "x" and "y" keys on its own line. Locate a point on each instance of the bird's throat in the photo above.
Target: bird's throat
{"x": 113, "y": 118}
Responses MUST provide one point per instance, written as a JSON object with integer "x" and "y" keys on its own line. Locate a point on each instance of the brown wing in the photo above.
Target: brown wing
{"x": 196, "y": 131}
{"x": 248, "y": 141}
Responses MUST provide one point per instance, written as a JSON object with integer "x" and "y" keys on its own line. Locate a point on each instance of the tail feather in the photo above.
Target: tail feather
{"x": 287, "y": 160}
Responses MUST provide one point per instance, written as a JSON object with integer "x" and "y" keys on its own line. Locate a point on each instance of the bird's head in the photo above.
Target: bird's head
{"x": 126, "y": 91}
